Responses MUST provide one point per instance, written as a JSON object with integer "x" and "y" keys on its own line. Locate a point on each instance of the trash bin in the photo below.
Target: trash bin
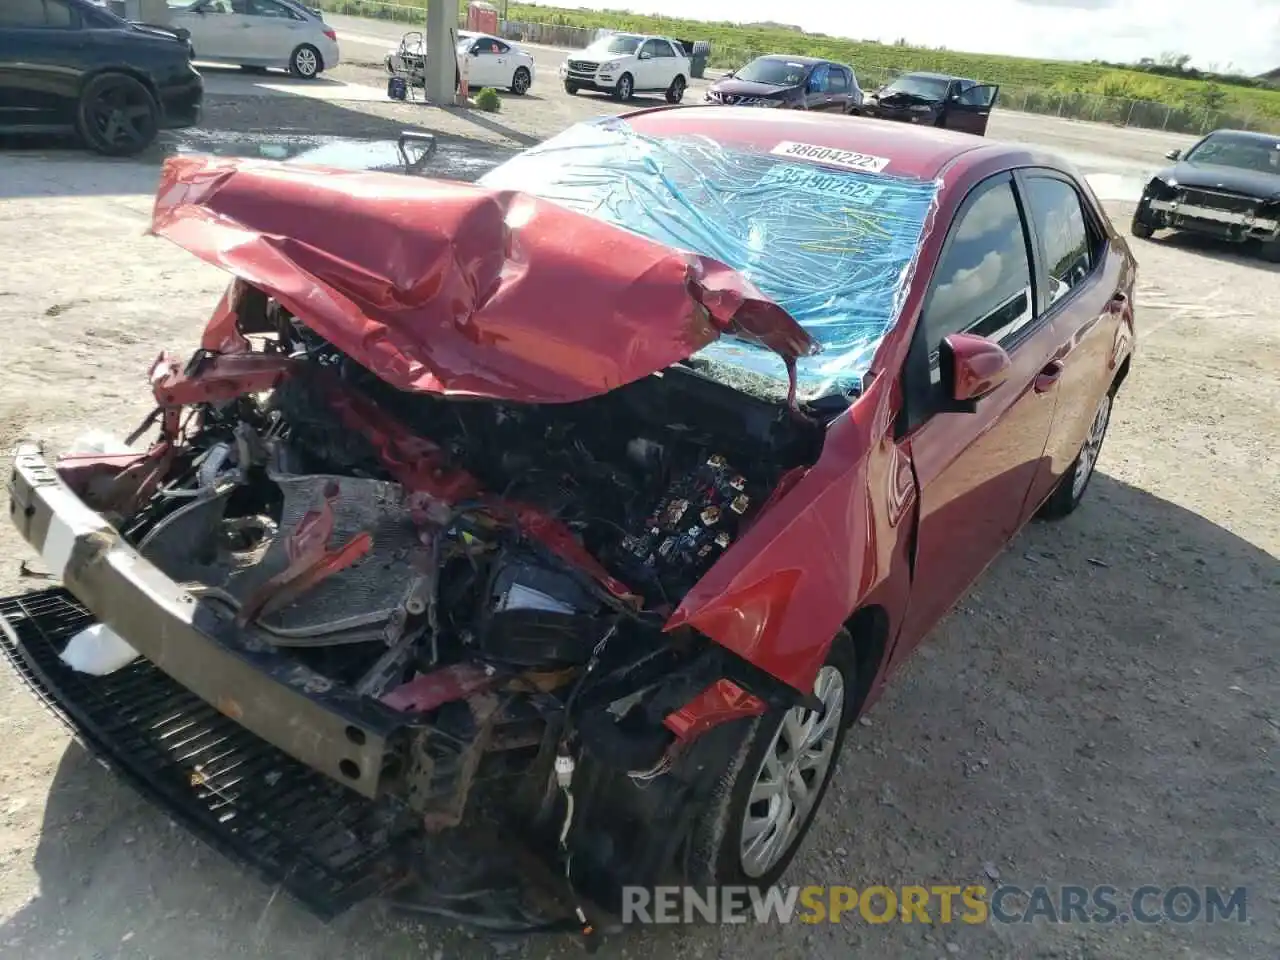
{"x": 698, "y": 58}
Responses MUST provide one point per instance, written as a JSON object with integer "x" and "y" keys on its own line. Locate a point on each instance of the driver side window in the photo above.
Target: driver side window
{"x": 649, "y": 49}
{"x": 222, "y": 6}
{"x": 818, "y": 79}
{"x": 982, "y": 284}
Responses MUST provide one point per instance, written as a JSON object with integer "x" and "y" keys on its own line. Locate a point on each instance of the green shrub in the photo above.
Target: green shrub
{"x": 488, "y": 100}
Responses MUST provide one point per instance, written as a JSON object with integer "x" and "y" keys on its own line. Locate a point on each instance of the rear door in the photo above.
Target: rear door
{"x": 974, "y": 469}
{"x": 970, "y": 110}
{"x": 839, "y": 88}
{"x": 42, "y": 57}
{"x": 1079, "y": 279}
{"x": 273, "y": 31}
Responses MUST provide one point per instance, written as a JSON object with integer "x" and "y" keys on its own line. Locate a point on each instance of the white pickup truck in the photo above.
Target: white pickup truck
{"x": 624, "y": 64}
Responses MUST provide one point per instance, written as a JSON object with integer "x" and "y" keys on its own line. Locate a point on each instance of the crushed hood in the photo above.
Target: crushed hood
{"x": 1210, "y": 176}
{"x": 450, "y": 288}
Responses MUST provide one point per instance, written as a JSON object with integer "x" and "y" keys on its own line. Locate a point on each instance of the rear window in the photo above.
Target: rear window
{"x": 833, "y": 247}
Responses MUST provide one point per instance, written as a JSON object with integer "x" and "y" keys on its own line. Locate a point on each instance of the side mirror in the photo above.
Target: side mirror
{"x": 972, "y": 367}
{"x": 646, "y": 56}
{"x": 1174, "y": 154}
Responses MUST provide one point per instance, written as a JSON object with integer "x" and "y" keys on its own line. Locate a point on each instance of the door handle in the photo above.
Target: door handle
{"x": 1048, "y": 376}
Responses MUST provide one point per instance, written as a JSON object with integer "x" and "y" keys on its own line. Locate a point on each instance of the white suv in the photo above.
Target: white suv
{"x": 626, "y": 63}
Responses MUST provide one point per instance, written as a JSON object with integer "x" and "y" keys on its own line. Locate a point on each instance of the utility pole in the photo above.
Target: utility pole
{"x": 441, "y": 60}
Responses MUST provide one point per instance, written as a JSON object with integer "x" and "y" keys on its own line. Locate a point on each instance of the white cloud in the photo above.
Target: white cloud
{"x": 1241, "y": 33}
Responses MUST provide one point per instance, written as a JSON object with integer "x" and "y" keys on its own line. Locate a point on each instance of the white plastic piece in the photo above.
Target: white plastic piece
{"x": 98, "y": 650}
{"x": 564, "y": 771}
{"x": 96, "y": 441}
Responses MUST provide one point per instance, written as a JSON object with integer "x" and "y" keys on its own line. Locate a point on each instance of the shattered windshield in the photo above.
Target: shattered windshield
{"x": 832, "y": 247}
{"x": 1234, "y": 150}
{"x": 621, "y": 44}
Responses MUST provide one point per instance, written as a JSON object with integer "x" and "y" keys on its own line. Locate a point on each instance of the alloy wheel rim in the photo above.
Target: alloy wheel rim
{"x": 120, "y": 117}
{"x": 795, "y": 767}
{"x": 522, "y": 81}
{"x": 306, "y": 61}
{"x": 624, "y": 87}
{"x": 1088, "y": 458}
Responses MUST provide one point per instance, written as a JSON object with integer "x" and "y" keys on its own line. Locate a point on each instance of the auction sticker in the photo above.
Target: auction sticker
{"x": 814, "y": 153}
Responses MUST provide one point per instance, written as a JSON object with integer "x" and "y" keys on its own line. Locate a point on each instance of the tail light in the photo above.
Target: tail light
{"x": 331, "y": 33}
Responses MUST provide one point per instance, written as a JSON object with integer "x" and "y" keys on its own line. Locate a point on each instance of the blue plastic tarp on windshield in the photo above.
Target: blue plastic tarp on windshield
{"x": 832, "y": 247}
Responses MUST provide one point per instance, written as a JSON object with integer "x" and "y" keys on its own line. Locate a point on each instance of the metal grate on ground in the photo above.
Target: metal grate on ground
{"x": 324, "y": 844}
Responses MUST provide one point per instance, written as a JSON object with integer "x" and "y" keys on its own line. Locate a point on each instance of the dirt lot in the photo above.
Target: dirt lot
{"x": 1103, "y": 709}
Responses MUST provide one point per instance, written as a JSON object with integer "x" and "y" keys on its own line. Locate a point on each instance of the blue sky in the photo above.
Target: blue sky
{"x": 1244, "y": 33}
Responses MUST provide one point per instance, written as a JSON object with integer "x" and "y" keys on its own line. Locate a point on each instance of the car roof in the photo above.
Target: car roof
{"x": 913, "y": 151}
{"x": 1267, "y": 138}
{"x": 807, "y": 61}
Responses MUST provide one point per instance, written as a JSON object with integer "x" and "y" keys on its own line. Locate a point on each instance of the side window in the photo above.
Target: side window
{"x": 485, "y": 47}
{"x": 268, "y": 8}
{"x": 818, "y": 79}
{"x": 982, "y": 284}
{"x": 662, "y": 49}
{"x": 499, "y": 47}
{"x": 1066, "y": 245}
{"x": 219, "y": 6}
{"x": 36, "y": 13}
{"x": 839, "y": 80}
{"x": 650, "y": 47}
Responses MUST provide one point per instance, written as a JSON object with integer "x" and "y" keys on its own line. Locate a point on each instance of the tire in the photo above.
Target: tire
{"x": 714, "y": 852}
{"x": 570, "y": 88}
{"x": 1071, "y": 488}
{"x": 117, "y": 115}
{"x": 625, "y": 87}
{"x": 675, "y": 92}
{"x": 521, "y": 80}
{"x": 1141, "y": 229}
{"x": 305, "y": 62}
{"x": 1270, "y": 251}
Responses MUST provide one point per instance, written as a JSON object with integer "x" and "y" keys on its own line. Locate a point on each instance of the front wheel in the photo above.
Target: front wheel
{"x": 625, "y": 88}
{"x": 305, "y": 63}
{"x": 570, "y": 88}
{"x": 764, "y": 803}
{"x": 675, "y": 92}
{"x": 521, "y": 81}
{"x": 1070, "y": 490}
{"x": 117, "y": 116}
{"x": 1140, "y": 228}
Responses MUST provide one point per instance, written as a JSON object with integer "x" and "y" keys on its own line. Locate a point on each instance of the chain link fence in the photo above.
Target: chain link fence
{"x": 1149, "y": 114}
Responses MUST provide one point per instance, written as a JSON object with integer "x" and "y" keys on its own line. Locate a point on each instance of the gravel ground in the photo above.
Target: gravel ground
{"x": 1102, "y": 709}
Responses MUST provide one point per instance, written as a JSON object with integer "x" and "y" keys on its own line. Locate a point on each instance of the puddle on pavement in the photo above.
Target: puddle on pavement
{"x": 450, "y": 159}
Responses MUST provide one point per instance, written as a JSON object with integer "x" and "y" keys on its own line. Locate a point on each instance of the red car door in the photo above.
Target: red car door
{"x": 975, "y": 469}
{"x": 1080, "y": 279}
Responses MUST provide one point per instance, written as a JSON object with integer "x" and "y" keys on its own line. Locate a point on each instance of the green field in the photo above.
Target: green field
{"x": 1066, "y": 88}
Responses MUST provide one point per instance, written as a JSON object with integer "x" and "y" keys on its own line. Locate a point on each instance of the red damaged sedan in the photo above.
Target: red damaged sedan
{"x": 585, "y": 507}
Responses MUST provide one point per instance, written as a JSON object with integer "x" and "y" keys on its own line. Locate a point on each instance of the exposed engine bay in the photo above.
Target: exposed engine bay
{"x": 501, "y": 572}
